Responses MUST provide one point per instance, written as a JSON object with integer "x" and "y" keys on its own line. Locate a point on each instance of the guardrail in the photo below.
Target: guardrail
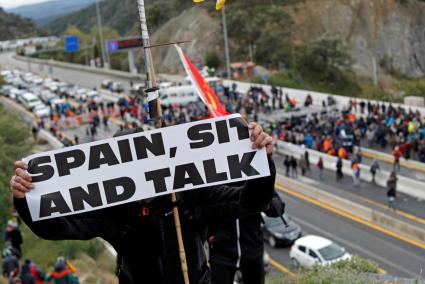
{"x": 355, "y": 209}
{"x": 79, "y": 67}
{"x": 405, "y": 185}
{"x": 410, "y": 164}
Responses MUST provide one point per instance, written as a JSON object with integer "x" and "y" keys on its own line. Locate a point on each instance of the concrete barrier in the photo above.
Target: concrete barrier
{"x": 410, "y": 164}
{"x": 79, "y": 67}
{"x": 375, "y": 217}
{"x": 405, "y": 185}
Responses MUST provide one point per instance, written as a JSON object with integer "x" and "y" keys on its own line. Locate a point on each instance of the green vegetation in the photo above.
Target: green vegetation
{"x": 354, "y": 271}
{"x": 13, "y": 26}
{"x": 14, "y": 145}
{"x": 212, "y": 60}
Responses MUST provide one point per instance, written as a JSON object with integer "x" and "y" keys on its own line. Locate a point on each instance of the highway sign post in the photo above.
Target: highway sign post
{"x": 72, "y": 43}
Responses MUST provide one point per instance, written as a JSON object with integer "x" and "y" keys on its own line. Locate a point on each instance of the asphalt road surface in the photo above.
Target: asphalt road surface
{"x": 394, "y": 256}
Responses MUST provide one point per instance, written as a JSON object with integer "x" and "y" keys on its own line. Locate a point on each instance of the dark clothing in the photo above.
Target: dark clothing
{"x": 10, "y": 264}
{"x": 252, "y": 272}
{"x": 14, "y": 236}
{"x": 226, "y": 244}
{"x": 26, "y": 275}
{"x": 144, "y": 234}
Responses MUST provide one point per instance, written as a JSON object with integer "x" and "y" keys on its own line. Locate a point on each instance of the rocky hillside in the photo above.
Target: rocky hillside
{"x": 391, "y": 31}
{"x": 387, "y": 29}
{"x": 14, "y": 26}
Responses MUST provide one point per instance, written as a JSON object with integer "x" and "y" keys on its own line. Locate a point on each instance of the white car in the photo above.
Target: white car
{"x": 314, "y": 250}
{"x": 41, "y": 110}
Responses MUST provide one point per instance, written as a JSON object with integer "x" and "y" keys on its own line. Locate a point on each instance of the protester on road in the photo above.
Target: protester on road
{"x": 392, "y": 190}
{"x": 356, "y": 173}
{"x": 374, "y": 168}
{"x": 303, "y": 165}
{"x": 287, "y": 165}
{"x": 339, "y": 174}
{"x": 320, "y": 167}
{"x": 294, "y": 167}
{"x": 26, "y": 276}
{"x": 307, "y": 160}
{"x": 396, "y": 154}
{"x": 38, "y": 274}
{"x": 146, "y": 243}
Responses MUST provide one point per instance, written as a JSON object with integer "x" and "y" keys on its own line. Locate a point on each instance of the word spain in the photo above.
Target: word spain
{"x": 142, "y": 165}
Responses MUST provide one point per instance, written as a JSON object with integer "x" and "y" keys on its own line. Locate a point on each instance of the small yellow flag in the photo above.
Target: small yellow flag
{"x": 218, "y": 6}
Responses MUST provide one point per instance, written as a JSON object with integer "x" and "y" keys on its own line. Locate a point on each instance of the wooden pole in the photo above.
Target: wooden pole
{"x": 155, "y": 112}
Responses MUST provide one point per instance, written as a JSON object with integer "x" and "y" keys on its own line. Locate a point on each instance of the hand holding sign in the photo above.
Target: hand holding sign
{"x": 139, "y": 166}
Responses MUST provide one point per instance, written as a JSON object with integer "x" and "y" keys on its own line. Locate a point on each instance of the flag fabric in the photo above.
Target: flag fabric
{"x": 219, "y": 5}
{"x": 202, "y": 87}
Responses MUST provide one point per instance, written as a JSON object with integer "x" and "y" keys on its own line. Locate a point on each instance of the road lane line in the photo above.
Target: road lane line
{"x": 398, "y": 212}
{"x": 281, "y": 268}
{"x": 351, "y": 216}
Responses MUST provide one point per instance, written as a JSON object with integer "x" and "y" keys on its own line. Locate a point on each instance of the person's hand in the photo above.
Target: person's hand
{"x": 260, "y": 139}
{"x": 20, "y": 183}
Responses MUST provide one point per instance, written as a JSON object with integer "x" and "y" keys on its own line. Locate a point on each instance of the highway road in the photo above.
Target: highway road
{"x": 394, "y": 256}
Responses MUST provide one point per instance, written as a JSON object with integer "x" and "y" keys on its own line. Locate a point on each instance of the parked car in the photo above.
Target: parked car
{"x": 112, "y": 86}
{"x": 5, "y": 90}
{"x": 181, "y": 95}
{"x": 30, "y": 100}
{"x": 280, "y": 231}
{"x": 92, "y": 95}
{"x": 41, "y": 110}
{"x": 314, "y": 250}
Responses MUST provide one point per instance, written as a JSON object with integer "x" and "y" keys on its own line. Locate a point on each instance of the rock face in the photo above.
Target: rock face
{"x": 384, "y": 29}
{"x": 195, "y": 25}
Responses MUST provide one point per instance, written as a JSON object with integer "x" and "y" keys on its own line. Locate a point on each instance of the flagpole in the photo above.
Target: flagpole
{"x": 156, "y": 113}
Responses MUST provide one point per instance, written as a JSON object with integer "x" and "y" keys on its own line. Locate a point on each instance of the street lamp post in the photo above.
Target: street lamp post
{"x": 226, "y": 44}
{"x": 102, "y": 42}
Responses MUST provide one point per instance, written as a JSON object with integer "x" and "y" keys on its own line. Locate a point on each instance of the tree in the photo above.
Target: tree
{"x": 212, "y": 60}
{"x": 325, "y": 59}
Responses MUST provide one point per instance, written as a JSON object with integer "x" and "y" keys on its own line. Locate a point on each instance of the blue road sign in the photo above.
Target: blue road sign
{"x": 71, "y": 43}
{"x": 113, "y": 45}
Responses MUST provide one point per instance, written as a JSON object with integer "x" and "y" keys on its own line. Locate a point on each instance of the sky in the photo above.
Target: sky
{"x": 14, "y": 3}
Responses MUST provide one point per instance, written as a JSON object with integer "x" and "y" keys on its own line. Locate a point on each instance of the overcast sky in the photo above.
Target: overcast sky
{"x": 14, "y": 3}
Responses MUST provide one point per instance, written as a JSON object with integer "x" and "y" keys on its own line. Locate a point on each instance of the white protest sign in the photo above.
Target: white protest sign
{"x": 143, "y": 165}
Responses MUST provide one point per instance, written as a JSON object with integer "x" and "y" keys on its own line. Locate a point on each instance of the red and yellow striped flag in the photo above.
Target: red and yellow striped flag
{"x": 219, "y": 5}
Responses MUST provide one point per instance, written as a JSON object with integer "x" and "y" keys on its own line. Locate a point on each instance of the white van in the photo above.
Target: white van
{"x": 30, "y": 100}
{"x": 180, "y": 95}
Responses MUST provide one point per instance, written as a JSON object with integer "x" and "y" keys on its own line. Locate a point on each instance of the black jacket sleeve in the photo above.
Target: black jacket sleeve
{"x": 276, "y": 207}
{"x": 230, "y": 202}
{"x": 75, "y": 227}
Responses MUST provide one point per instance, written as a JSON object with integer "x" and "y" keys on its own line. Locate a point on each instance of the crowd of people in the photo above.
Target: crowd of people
{"x": 28, "y": 272}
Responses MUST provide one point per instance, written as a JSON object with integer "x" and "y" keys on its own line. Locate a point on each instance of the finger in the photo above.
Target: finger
{"x": 256, "y": 132}
{"x": 21, "y": 173}
{"x": 22, "y": 165}
{"x": 251, "y": 125}
{"x": 268, "y": 140}
{"x": 24, "y": 182}
{"x": 19, "y": 187}
{"x": 259, "y": 140}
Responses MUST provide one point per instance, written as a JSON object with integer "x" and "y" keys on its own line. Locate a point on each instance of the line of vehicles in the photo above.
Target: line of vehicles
{"x": 305, "y": 251}
{"x": 42, "y": 96}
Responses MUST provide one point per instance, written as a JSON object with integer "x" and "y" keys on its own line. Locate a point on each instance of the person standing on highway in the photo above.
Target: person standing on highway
{"x": 396, "y": 154}
{"x": 294, "y": 167}
{"x": 320, "y": 167}
{"x": 307, "y": 160}
{"x": 356, "y": 173}
{"x": 339, "y": 174}
{"x": 303, "y": 165}
{"x": 392, "y": 190}
{"x": 374, "y": 168}
{"x": 287, "y": 165}
{"x": 13, "y": 235}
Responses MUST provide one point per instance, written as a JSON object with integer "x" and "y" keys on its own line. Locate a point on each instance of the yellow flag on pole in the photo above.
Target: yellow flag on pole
{"x": 219, "y": 5}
